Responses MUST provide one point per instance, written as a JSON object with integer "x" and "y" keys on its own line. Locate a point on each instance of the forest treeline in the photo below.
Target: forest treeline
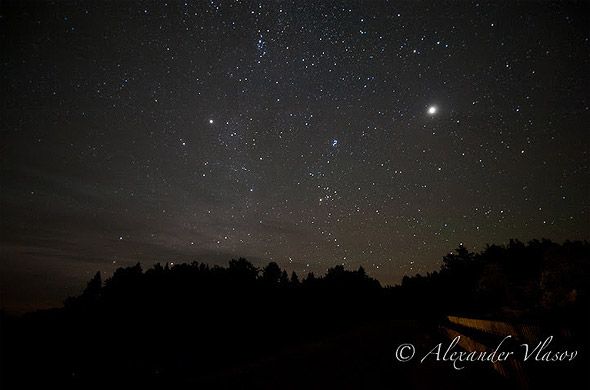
{"x": 533, "y": 277}
{"x": 188, "y": 320}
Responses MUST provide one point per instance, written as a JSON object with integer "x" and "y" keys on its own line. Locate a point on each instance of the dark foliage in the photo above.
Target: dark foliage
{"x": 540, "y": 278}
{"x": 181, "y": 324}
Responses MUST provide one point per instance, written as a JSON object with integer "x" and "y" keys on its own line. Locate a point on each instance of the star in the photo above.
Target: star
{"x": 432, "y": 110}
{"x": 210, "y": 121}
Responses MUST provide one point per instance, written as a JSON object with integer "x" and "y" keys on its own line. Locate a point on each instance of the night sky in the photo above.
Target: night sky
{"x": 381, "y": 134}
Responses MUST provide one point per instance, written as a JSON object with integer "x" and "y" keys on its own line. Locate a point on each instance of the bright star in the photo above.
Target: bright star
{"x": 210, "y": 121}
{"x": 432, "y": 110}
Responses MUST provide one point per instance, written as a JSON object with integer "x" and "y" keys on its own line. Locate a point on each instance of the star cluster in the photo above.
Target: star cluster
{"x": 307, "y": 133}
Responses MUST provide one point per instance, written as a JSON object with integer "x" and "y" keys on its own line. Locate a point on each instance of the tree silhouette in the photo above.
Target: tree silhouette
{"x": 185, "y": 321}
{"x": 271, "y": 274}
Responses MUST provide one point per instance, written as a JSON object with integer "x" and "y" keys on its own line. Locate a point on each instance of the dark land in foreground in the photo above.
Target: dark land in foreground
{"x": 196, "y": 326}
